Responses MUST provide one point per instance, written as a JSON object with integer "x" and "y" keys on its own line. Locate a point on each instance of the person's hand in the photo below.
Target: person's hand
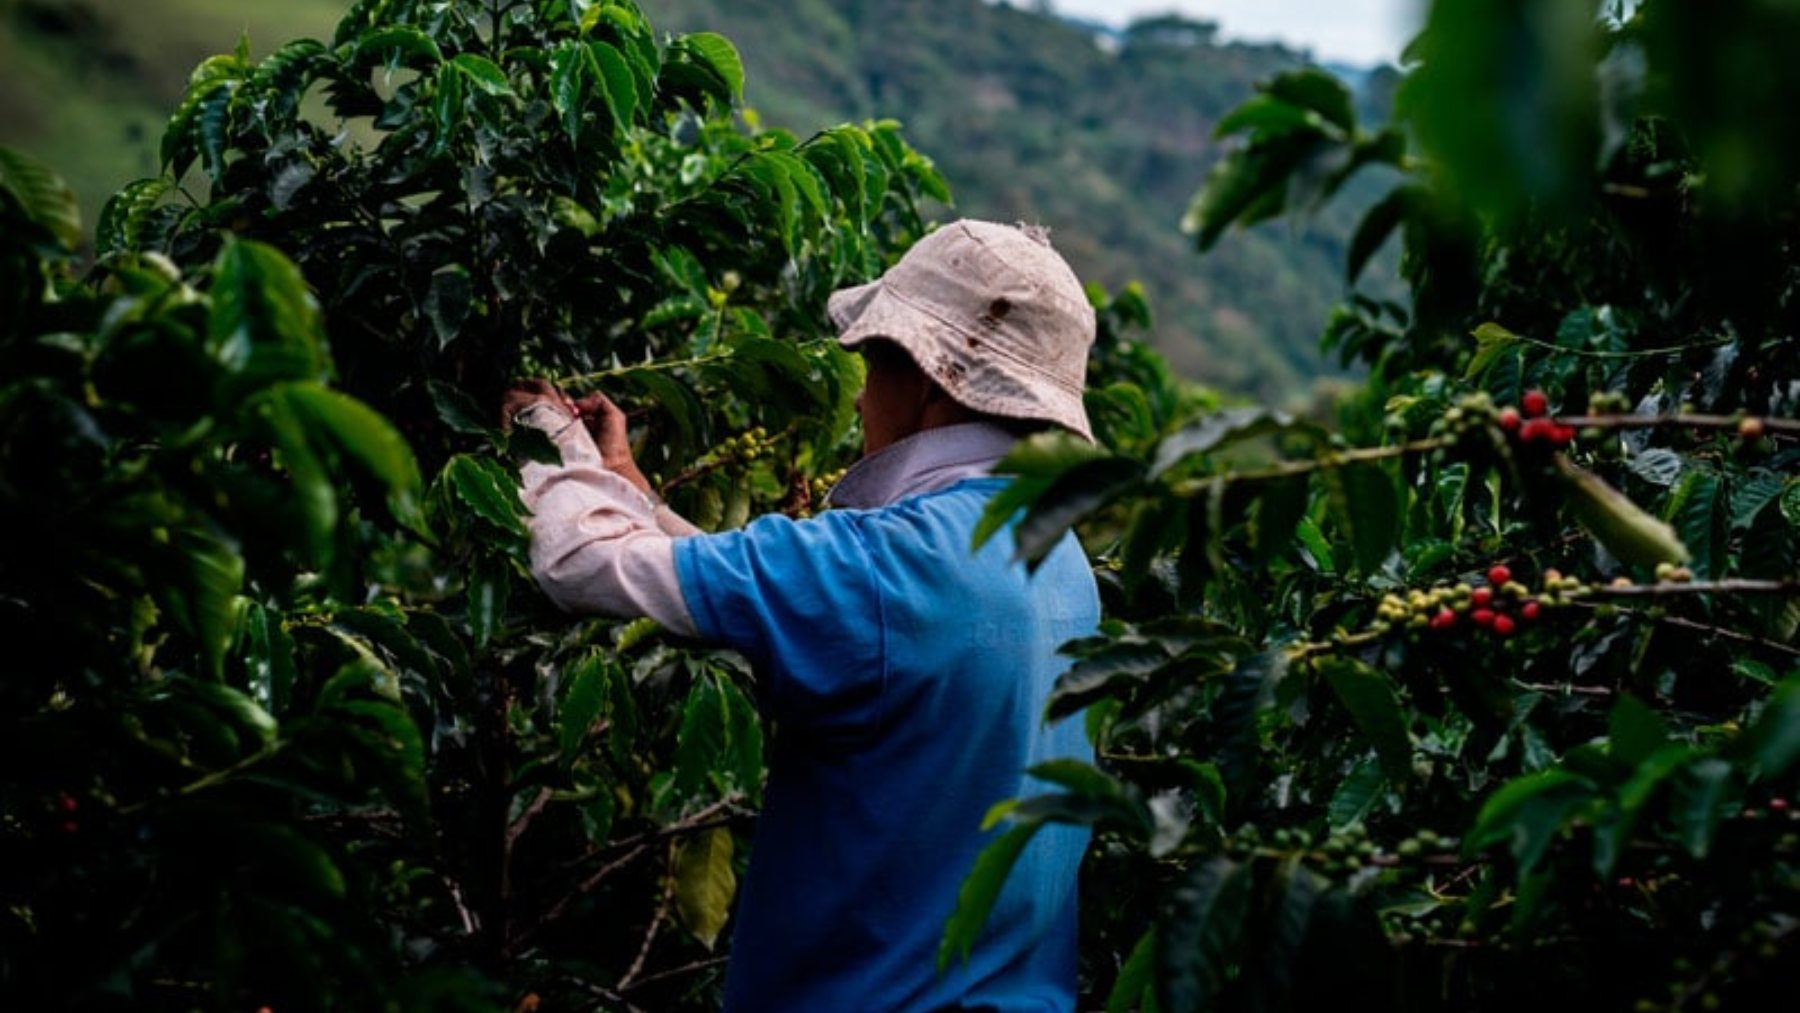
{"x": 525, "y": 393}
{"x": 611, "y": 433}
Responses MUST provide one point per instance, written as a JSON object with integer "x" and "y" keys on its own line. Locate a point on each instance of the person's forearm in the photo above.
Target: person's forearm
{"x": 598, "y": 544}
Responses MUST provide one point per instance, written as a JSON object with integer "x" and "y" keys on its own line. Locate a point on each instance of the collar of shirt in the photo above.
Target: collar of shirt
{"x": 923, "y": 462}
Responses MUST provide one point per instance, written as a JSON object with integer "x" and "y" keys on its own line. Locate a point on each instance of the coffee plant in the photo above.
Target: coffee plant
{"x": 290, "y": 727}
{"x": 1479, "y": 687}
{"x": 1489, "y": 694}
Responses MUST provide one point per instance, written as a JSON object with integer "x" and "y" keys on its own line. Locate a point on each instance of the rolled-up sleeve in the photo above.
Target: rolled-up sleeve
{"x": 598, "y": 544}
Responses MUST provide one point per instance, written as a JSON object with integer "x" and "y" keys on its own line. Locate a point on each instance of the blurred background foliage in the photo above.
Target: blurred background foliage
{"x": 1036, "y": 118}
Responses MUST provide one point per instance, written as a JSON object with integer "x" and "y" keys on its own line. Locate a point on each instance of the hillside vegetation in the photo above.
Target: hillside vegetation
{"x": 1028, "y": 116}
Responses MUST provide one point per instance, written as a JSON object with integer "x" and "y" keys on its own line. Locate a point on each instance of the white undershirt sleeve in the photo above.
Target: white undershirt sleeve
{"x": 598, "y": 543}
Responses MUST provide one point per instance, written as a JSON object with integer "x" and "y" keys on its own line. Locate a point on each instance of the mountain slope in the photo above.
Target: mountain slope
{"x": 1035, "y": 118}
{"x": 1102, "y": 137}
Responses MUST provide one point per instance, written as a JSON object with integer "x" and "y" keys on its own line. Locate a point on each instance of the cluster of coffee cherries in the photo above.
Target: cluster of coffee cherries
{"x": 68, "y": 806}
{"x": 1500, "y": 606}
{"x": 1529, "y": 422}
{"x": 1342, "y": 851}
{"x": 822, "y": 486}
{"x": 1532, "y": 423}
{"x": 750, "y": 445}
{"x": 1471, "y": 414}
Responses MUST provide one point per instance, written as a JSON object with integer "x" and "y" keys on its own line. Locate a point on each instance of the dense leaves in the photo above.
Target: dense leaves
{"x": 298, "y": 732}
{"x": 1480, "y": 696}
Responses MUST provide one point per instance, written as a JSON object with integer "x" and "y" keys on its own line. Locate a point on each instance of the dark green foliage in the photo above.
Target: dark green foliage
{"x": 1399, "y": 772}
{"x": 298, "y": 732}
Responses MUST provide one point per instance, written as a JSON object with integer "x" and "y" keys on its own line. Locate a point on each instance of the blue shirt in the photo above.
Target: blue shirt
{"x": 906, "y": 679}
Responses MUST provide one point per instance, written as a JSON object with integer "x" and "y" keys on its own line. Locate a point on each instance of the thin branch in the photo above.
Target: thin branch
{"x": 213, "y": 778}
{"x": 705, "y": 819}
{"x": 1301, "y": 652}
{"x": 1687, "y": 420}
{"x": 1668, "y": 589}
{"x": 606, "y": 995}
{"x": 576, "y": 382}
{"x": 702, "y": 470}
{"x": 643, "y": 953}
{"x": 513, "y": 833}
{"x": 1633, "y": 353}
{"x": 470, "y": 923}
{"x": 1547, "y": 687}
{"x": 517, "y": 830}
{"x": 676, "y": 972}
{"x": 633, "y": 848}
{"x": 1339, "y": 459}
{"x": 589, "y": 379}
{"x": 1717, "y": 631}
{"x": 581, "y": 890}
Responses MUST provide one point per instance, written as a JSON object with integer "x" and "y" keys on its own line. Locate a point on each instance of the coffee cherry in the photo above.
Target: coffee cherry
{"x": 1537, "y": 430}
{"x": 1499, "y": 575}
{"x": 1503, "y": 625}
{"x": 1443, "y": 620}
{"x": 1750, "y": 428}
{"x": 1535, "y": 403}
{"x": 1530, "y": 611}
{"x": 67, "y": 803}
{"x": 1482, "y": 597}
{"x": 1509, "y": 419}
{"x": 1482, "y": 617}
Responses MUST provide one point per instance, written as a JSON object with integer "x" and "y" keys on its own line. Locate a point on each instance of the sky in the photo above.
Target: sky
{"x": 1360, "y": 32}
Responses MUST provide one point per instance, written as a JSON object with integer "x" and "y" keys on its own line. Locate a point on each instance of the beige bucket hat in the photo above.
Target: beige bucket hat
{"x": 991, "y": 313}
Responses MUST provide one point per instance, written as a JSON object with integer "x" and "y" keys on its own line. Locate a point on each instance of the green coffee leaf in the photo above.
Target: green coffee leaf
{"x": 1369, "y": 697}
{"x": 705, "y": 883}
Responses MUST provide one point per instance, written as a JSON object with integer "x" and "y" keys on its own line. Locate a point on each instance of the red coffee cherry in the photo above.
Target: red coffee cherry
{"x": 1535, "y": 403}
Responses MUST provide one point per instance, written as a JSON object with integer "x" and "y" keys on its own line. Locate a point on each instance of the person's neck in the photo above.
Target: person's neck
{"x": 924, "y": 461}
